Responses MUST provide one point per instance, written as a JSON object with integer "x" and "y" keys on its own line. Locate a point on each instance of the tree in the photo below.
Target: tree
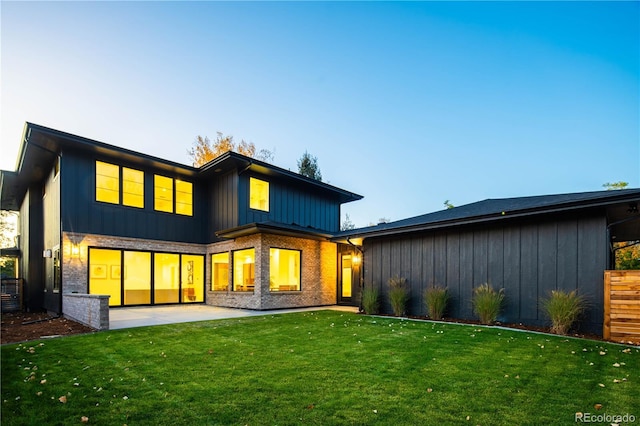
{"x": 308, "y": 166}
{"x": 204, "y": 150}
{"x": 7, "y": 228}
{"x": 615, "y": 185}
{"x": 347, "y": 225}
{"x": 627, "y": 255}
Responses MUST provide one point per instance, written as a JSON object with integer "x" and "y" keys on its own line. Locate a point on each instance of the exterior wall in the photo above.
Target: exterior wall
{"x": 318, "y": 275}
{"x": 81, "y": 213}
{"x": 289, "y": 204}
{"x": 51, "y": 239}
{"x": 31, "y": 264}
{"x": 89, "y": 309}
{"x": 75, "y": 272}
{"x": 527, "y": 259}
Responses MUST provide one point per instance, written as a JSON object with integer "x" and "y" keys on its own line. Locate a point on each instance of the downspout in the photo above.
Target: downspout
{"x": 361, "y": 280}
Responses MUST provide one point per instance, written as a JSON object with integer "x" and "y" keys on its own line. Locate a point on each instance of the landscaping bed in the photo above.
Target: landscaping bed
{"x": 26, "y": 326}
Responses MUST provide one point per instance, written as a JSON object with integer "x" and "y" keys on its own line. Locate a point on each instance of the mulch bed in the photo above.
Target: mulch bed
{"x": 26, "y": 326}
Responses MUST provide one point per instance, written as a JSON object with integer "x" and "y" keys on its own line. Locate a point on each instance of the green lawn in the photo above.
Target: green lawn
{"x": 321, "y": 368}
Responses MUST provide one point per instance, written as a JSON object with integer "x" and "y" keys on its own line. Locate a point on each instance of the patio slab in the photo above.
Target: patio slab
{"x": 141, "y": 316}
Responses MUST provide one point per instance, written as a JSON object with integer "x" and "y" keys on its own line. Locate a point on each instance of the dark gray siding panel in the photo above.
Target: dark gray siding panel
{"x": 224, "y": 203}
{"x": 529, "y": 272}
{"x": 527, "y": 259}
{"x": 289, "y": 205}
{"x": 81, "y": 213}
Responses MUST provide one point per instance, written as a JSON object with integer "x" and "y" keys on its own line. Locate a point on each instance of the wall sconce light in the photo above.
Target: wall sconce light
{"x": 75, "y": 250}
{"x": 357, "y": 260}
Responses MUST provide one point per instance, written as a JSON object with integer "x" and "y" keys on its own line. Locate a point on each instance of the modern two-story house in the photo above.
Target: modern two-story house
{"x": 97, "y": 219}
{"x": 102, "y": 222}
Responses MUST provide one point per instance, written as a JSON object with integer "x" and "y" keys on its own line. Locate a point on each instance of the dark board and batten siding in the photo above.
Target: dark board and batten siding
{"x": 81, "y": 213}
{"x": 290, "y": 205}
{"x": 528, "y": 260}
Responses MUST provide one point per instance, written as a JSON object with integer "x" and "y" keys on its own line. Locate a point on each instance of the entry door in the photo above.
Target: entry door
{"x": 349, "y": 279}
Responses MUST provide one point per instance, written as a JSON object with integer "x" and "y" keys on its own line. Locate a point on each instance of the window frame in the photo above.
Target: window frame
{"x": 229, "y": 271}
{"x": 234, "y": 275}
{"x": 299, "y": 289}
{"x": 255, "y": 200}
{"x": 120, "y": 186}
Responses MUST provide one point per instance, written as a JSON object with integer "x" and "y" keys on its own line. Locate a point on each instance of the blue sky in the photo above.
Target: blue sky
{"x": 408, "y": 104}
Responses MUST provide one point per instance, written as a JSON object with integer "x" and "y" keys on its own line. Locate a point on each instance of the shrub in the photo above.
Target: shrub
{"x": 436, "y": 299}
{"x": 398, "y": 295}
{"x": 370, "y": 301}
{"x": 487, "y": 303}
{"x": 563, "y": 308}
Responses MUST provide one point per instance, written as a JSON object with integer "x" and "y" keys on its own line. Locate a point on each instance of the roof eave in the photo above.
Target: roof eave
{"x": 482, "y": 219}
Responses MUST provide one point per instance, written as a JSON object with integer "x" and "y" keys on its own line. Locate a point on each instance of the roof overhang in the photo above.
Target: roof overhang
{"x": 273, "y": 228}
{"x": 233, "y": 161}
{"x": 620, "y": 207}
{"x": 39, "y": 148}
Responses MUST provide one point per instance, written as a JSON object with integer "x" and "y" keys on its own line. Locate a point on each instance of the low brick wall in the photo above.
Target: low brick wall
{"x": 88, "y": 309}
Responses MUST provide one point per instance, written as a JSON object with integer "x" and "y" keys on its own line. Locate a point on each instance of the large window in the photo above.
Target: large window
{"x": 163, "y": 193}
{"x": 166, "y": 277}
{"x": 164, "y": 199}
{"x": 184, "y": 198}
{"x": 258, "y": 194}
{"x": 284, "y": 266}
{"x": 220, "y": 272}
{"x": 104, "y": 274}
{"x": 128, "y": 278}
{"x": 244, "y": 270}
{"x": 109, "y": 184}
{"x": 137, "y": 278}
{"x": 132, "y": 187}
{"x": 192, "y": 278}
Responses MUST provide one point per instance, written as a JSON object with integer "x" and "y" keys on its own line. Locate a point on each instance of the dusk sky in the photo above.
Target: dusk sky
{"x": 408, "y": 104}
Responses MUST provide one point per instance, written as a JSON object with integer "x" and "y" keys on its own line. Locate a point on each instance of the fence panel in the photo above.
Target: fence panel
{"x": 622, "y": 306}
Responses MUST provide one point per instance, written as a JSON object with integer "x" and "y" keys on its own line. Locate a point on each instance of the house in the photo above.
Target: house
{"x": 97, "y": 220}
{"x": 103, "y": 226}
{"x": 528, "y": 246}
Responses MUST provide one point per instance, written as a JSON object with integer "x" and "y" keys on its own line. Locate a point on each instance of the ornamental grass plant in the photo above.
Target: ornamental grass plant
{"x": 436, "y": 299}
{"x": 398, "y": 295}
{"x": 487, "y": 303}
{"x": 563, "y": 308}
{"x": 370, "y": 301}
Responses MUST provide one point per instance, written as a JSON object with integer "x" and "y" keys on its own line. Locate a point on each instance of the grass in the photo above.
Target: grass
{"x": 317, "y": 368}
{"x": 487, "y": 303}
{"x": 564, "y": 308}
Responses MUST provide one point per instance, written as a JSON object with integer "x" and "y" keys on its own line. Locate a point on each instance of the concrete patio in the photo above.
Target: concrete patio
{"x": 140, "y": 316}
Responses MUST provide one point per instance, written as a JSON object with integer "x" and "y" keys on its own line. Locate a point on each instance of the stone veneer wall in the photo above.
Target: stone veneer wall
{"x": 88, "y": 309}
{"x": 75, "y": 272}
{"x": 318, "y": 277}
{"x": 318, "y": 260}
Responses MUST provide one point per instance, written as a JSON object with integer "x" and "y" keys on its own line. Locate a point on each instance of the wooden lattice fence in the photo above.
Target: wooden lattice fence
{"x": 622, "y": 306}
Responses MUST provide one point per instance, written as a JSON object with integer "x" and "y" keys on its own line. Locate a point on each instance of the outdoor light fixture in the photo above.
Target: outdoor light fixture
{"x": 356, "y": 260}
{"x": 75, "y": 250}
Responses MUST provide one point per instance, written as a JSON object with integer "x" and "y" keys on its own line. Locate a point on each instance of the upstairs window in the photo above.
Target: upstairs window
{"x": 111, "y": 180}
{"x": 107, "y": 183}
{"x": 163, "y": 191}
{"x": 173, "y": 195}
{"x": 258, "y": 194}
{"x": 184, "y": 198}
{"x": 132, "y": 187}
